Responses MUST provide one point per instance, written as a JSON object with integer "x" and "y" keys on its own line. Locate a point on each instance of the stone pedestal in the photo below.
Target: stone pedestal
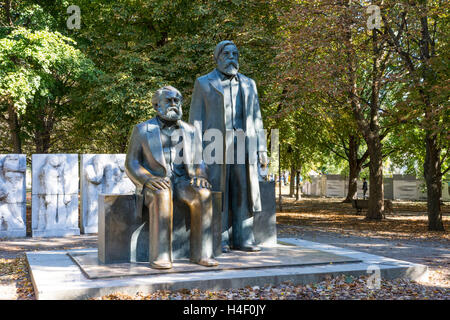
{"x": 117, "y": 221}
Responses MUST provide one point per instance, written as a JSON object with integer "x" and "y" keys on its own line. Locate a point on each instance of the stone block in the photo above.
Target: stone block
{"x": 265, "y": 222}
{"x": 100, "y": 173}
{"x": 12, "y": 195}
{"x": 445, "y": 189}
{"x": 388, "y": 186}
{"x": 54, "y": 195}
{"x": 405, "y": 187}
{"x": 117, "y": 221}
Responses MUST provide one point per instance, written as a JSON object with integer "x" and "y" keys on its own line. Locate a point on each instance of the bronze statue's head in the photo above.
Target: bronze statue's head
{"x": 226, "y": 55}
{"x": 167, "y": 102}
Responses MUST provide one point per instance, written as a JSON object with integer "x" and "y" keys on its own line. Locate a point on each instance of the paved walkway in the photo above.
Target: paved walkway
{"x": 433, "y": 253}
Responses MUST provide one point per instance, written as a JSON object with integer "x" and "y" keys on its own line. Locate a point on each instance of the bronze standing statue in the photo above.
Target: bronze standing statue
{"x": 155, "y": 166}
{"x": 228, "y": 101}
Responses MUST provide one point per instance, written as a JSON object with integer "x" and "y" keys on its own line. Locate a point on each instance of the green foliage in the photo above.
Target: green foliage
{"x": 37, "y": 71}
{"x": 143, "y": 45}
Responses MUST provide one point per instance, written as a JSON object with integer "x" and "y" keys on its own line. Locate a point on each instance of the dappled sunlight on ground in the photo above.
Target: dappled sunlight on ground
{"x": 333, "y": 215}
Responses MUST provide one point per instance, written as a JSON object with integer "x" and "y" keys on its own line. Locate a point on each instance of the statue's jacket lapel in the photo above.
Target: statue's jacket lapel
{"x": 156, "y": 149}
{"x": 155, "y": 145}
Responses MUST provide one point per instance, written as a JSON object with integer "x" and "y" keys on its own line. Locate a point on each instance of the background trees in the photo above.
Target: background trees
{"x": 341, "y": 94}
{"x": 418, "y": 32}
{"x": 38, "y": 70}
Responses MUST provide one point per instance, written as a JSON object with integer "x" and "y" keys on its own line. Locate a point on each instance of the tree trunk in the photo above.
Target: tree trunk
{"x": 370, "y": 126}
{"x": 376, "y": 196}
{"x": 8, "y": 12}
{"x": 42, "y": 141}
{"x": 280, "y": 198}
{"x": 355, "y": 169}
{"x": 46, "y": 121}
{"x": 292, "y": 182}
{"x": 14, "y": 128}
{"x": 297, "y": 194}
{"x": 432, "y": 173}
{"x": 432, "y": 164}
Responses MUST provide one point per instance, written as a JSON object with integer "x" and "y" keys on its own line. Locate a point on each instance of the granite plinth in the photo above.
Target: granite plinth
{"x": 270, "y": 257}
{"x": 117, "y": 221}
{"x": 55, "y": 275}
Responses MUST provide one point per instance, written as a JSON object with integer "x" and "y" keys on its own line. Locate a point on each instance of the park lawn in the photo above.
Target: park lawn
{"x": 408, "y": 221}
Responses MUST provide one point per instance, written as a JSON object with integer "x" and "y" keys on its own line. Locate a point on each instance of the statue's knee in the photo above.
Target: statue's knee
{"x": 164, "y": 194}
{"x": 161, "y": 195}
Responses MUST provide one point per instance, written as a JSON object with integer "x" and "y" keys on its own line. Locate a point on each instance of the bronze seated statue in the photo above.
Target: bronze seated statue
{"x": 153, "y": 164}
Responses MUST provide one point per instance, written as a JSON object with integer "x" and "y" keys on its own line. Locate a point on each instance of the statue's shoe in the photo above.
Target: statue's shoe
{"x": 161, "y": 264}
{"x": 207, "y": 262}
{"x": 248, "y": 248}
{"x": 226, "y": 248}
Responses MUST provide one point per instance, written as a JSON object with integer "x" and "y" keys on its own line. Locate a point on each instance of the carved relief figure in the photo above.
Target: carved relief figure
{"x": 54, "y": 202}
{"x": 94, "y": 175}
{"x": 104, "y": 173}
{"x": 12, "y": 199}
{"x": 116, "y": 180}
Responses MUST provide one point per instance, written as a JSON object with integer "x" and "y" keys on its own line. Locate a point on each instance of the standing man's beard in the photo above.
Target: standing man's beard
{"x": 229, "y": 68}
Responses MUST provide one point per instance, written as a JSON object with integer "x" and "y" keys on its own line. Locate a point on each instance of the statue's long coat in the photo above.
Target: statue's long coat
{"x": 208, "y": 112}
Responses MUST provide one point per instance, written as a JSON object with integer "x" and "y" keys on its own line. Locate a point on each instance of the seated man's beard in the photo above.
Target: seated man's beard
{"x": 171, "y": 114}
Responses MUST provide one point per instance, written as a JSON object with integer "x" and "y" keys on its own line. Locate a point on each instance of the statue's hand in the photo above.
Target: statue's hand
{"x": 263, "y": 159}
{"x": 200, "y": 182}
{"x": 158, "y": 183}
